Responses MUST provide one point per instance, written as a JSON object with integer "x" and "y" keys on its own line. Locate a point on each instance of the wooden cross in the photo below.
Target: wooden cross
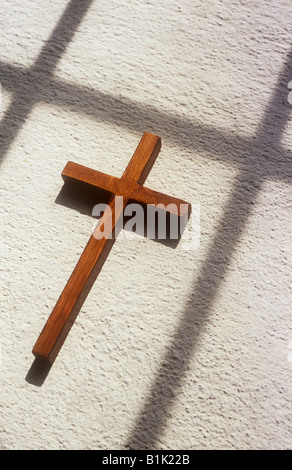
{"x": 129, "y": 186}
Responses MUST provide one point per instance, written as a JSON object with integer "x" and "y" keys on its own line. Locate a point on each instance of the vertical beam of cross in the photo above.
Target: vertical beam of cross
{"x": 23, "y": 100}
{"x": 92, "y": 259}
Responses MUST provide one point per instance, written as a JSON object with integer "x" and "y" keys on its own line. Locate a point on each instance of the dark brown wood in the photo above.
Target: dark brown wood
{"x": 96, "y": 251}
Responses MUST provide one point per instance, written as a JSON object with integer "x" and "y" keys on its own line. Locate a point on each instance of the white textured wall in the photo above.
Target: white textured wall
{"x": 173, "y": 349}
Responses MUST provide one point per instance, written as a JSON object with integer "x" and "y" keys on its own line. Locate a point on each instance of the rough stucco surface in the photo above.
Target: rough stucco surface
{"x": 174, "y": 348}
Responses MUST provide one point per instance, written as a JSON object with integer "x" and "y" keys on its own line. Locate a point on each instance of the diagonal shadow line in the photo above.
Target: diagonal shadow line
{"x": 156, "y": 410}
{"x": 205, "y": 139}
{"x": 166, "y": 387}
{"x": 196, "y": 135}
{"x": 278, "y": 110}
{"x": 12, "y": 121}
{"x": 61, "y": 36}
{"x": 25, "y": 97}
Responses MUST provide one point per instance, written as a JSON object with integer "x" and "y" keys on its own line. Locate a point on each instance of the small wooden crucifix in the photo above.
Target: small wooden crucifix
{"x": 128, "y": 188}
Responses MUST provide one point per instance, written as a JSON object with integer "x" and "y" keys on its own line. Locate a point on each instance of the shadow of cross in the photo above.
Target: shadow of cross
{"x": 127, "y": 188}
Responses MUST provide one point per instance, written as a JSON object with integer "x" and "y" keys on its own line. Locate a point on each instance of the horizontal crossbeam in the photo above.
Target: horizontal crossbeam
{"x": 125, "y": 187}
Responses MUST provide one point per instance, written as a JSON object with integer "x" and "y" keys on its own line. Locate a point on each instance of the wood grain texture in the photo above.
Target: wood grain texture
{"x": 97, "y": 249}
